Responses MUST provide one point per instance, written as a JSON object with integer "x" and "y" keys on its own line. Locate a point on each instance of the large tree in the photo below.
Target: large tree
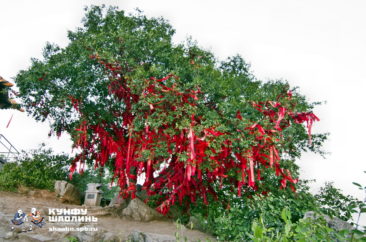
{"x": 187, "y": 124}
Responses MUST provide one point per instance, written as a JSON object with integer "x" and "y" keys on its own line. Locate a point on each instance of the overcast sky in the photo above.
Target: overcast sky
{"x": 319, "y": 46}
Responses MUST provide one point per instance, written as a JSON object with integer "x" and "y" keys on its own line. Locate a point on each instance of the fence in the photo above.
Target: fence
{"x": 7, "y": 151}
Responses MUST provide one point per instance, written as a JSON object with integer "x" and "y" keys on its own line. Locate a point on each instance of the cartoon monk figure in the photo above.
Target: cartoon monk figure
{"x": 19, "y": 218}
{"x": 35, "y": 218}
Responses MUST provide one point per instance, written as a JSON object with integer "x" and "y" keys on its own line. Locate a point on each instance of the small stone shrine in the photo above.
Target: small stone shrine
{"x": 93, "y": 195}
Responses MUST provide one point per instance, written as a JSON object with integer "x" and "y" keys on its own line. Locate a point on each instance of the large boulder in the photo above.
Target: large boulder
{"x": 139, "y": 211}
{"x": 334, "y": 223}
{"x": 138, "y": 236}
{"x": 67, "y": 192}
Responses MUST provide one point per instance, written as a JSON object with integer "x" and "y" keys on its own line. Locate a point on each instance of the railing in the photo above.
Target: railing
{"x": 7, "y": 151}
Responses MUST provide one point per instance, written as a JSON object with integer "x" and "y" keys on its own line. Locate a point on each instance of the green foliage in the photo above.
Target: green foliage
{"x": 278, "y": 216}
{"x": 143, "y": 48}
{"x": 335, "y": 204}
{"x": 36, "y": 169}
{"x": 303, "y": 230}
{"x": 72, "y": 239}
{"x": 234, "y": 222}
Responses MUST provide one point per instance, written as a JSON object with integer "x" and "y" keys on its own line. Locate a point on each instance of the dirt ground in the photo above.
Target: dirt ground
{"x": 122, "y": 227}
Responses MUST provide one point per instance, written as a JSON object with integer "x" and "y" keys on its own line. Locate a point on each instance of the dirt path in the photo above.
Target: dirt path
{"x": 118, "y": 227}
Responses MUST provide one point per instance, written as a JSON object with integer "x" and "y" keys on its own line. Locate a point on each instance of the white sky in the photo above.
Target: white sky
{"x": 319, "y": 46}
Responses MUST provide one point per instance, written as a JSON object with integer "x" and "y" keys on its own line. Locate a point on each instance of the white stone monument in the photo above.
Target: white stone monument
{"x": 93, "y": 195}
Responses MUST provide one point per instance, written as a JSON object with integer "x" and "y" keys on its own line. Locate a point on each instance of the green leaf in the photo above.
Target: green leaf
{"x": 357, "y": 184}
{"x": 257, "y": 230}
{"x": 285, "y": 215}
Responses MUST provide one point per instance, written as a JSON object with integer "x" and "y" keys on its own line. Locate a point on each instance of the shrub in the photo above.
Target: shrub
{"x": 233, "y": 221}
{"x": 303, "y": 230}
{"x": 36, "y": 169}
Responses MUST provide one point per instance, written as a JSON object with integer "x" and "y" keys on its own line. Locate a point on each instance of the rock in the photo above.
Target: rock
{"x": 90, "y": 236}
{"x": 139, "y": 211}
{"x": 111, "y": 237}
{"x": 35, "y": 237}
{"x": 84, "y": 236}
{"x": 138, "y": 236}
{"x": 334, "y": 223}
{"x": 59, "y": 187}
{"x": 10, "y": 235}
{"x": 67, "y": 192}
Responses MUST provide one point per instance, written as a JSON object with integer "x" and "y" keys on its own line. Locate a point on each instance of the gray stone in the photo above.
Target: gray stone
{"x": 10, "y": 235}
{"x": 138, "y": 236}
{"x": 60, "y": 187}
{"x": 111, "y": 237}
{"x": 334, "y": 223}
{"x": 83, "y": 236}
{"x": 35, "y": 237}
{"x": 89, "y": 236}
{"x": 67, "y": 192}
{"x": 139, "y": 211}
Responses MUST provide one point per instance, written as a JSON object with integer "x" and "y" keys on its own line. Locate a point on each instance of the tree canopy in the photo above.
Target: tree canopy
{"x": 183, "y": 122}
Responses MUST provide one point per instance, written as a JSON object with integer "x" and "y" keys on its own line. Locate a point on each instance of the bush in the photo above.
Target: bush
{"x": 278, "y": 216}
{"x": 37, "y": 169}
{"x": 233, "y": 221}
{"x": 303, "y": 230}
